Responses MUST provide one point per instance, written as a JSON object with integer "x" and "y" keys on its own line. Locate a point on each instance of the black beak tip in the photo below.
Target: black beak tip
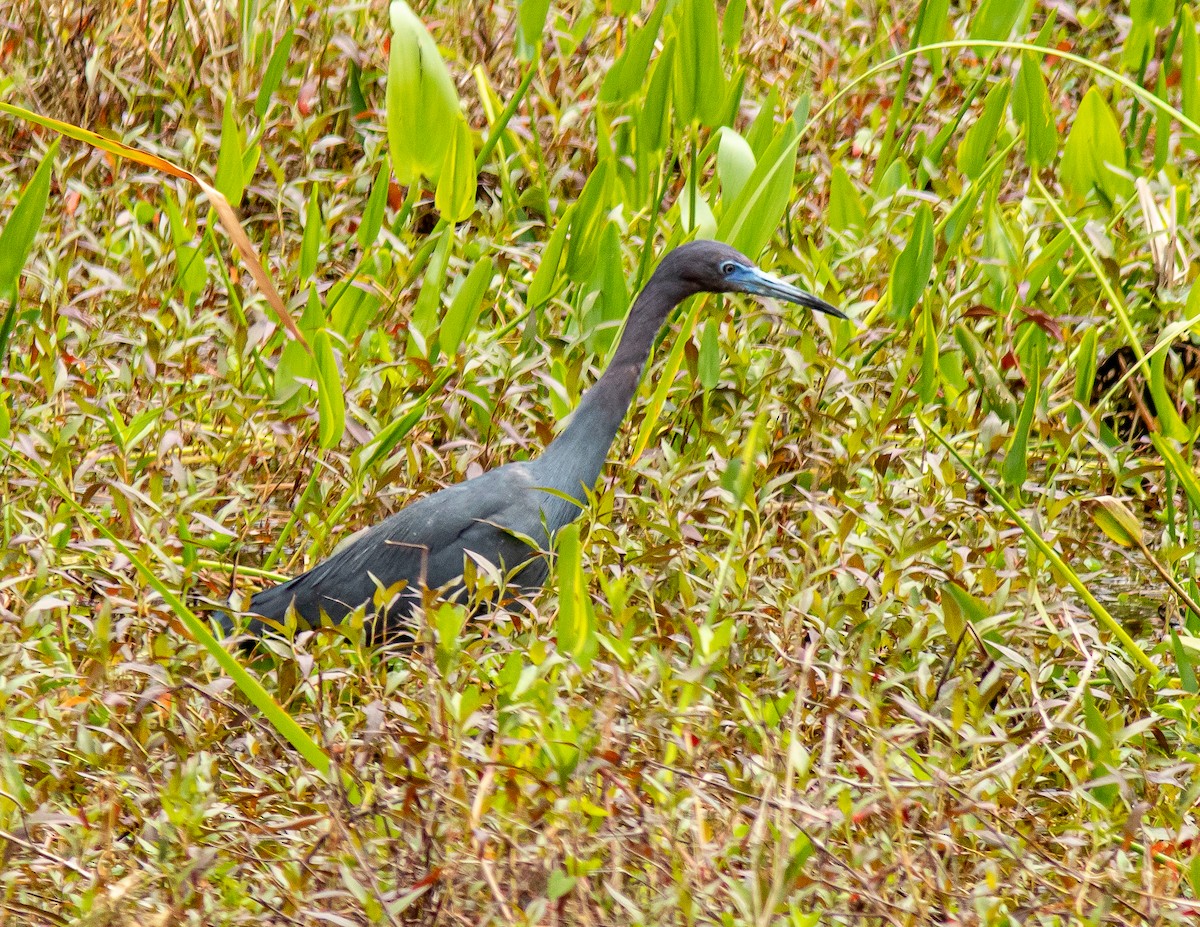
{"x": 821, "y": 306}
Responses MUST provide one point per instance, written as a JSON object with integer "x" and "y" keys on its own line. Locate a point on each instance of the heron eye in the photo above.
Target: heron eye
{"x": 728, "y": 267}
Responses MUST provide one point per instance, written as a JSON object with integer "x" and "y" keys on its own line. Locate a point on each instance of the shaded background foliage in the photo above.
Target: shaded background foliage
{"x": 822, "y": 673}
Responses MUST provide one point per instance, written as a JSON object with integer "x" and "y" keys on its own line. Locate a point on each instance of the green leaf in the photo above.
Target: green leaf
{"x": 545, "y": 278}
{"x": 612, "y": 293}
{"x": 761, "y": 133}
{"x": 531, "y": 27}
{"x": 455, "y": 198}
{"x": 934, "y": 29}
{"x": 429, "y": 300}
{"x": 1015, "y": 468}
{"x": 576, "y": 626}
{"x": 1085, "y": 377}
{"x": 927, "y": 380}
{"x": 733, "y": 21}
{"x": 393, "y": 433}
{"x": 708, "y": 366}
{"x": 846, "y": 210}
{"x": 654, "y": 116}
{"x": 1189, "y": 81}
{"x": 310, "y": 245}
{"x": 1117, "y": 520}
{"x": 750, "y": 220}
{"x": 910, "y": 273}
{"x": 273, "y": 73}
{"x": 1187, "y": 664}
{"x": 230, "y": 179}
{"x": 372, "y": 217}
{"x": 699, "y": 85}
{"x": 559, "y": 884}
{"x": 464, "y": 308}
{"x": 191, "y": 272}
{"x": 977, "y": 143}
{"x": 331, "y": 400}
{"x": 295, "y": 367}
{"x": 1094, "y": 152}
{"x": 422, "y": 104}
{"x": 996, "y": 20}
{"x": 965, "y": 606}
{"x": 735, "y": 163}
{"x": 588, "y": 222}
{"x": 1032, "y": 111}
{"x": 22, "y": 225}
{"x": 1147, "y": 16}
{"x": 1164, "y": 405}
{"x": 1179, "y": 467}
{"x": 627, "y": 76}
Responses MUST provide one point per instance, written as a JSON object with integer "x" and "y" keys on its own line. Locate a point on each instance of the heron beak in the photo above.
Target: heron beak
{"x": 753, "y": 280}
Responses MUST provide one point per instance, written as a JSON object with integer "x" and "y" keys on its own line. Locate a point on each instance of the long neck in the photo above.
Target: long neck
{"x": 574, "y": 459}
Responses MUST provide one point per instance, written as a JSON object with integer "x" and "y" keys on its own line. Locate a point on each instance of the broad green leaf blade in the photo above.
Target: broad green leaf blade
{"x": 576, "y": 626}
{"x": 531, "y": 27}
{"x": 331, "y": 400}
{"x": 545, "y": 279}
{"x": 422, "y": 104}
{"x": 699, "y": 85}
{"x": 455, "y": 199}
{"x": 654, "y": 116}
{"x": 977, "y": 143}
{"x": 995, "y": 20}
{"x": 735, "y": 164}
{"x": 310, "y": 244}
{"x": 970, "y": 607}
{"x": 1189, "y": 82}
{"x": 1085, "y": 376}
{"x": 273, "y": 74}
{"x": 910, "y": 273}
{"x": 1015, "y": 468}
{"x": 22, "y": 225}
{"x": 1094, "y": 153}
{"x": 372, "y": 217}
{"x": 465, "y": 307}
{"x": 588, "y": 222}
{"x": 750, "y": 221}
{"x": 230, "y": 178}
{"x": 1032, "y": 111}
{"x": 733, "y": 21}
{"x": 1187, "y": 663}
{"x": 846, "y": 210}
{"x": 628, "y": 75}
{"x": 927, "y": 380}
{"x": 429, "y": 300}
{"x": 1117, "y": 520}
{"x": 1164, "y": 404}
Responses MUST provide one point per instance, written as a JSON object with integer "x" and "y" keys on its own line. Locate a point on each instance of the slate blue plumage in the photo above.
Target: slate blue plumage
{"x": 424, "y": 544}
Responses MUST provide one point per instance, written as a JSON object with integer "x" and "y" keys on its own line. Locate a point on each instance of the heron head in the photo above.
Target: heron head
{"x": 713, "y": 267}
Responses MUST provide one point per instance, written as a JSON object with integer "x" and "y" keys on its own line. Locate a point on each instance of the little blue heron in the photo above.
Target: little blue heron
{"x": 498, "y": 515}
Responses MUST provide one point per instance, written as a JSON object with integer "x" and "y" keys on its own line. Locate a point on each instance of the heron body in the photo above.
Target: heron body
{"x": 508, "y": 516}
